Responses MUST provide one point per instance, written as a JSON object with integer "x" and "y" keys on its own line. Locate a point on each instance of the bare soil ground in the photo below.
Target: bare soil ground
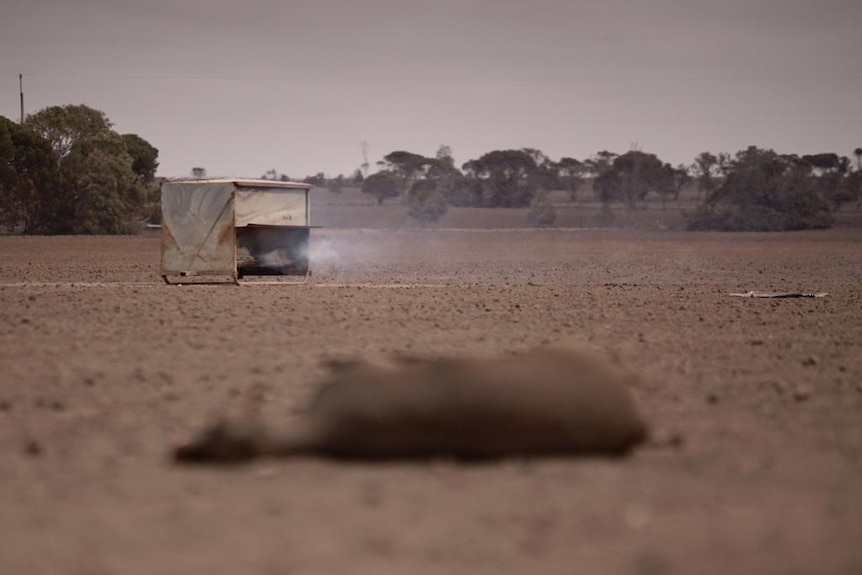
{"x": 104, "y": 368}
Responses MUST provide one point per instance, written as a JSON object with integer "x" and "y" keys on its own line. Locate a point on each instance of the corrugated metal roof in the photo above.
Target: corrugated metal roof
{"x": 244, "y": 183}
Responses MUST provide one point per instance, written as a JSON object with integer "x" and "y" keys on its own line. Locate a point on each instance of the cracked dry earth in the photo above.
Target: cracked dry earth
{"x": 104, "y": 369}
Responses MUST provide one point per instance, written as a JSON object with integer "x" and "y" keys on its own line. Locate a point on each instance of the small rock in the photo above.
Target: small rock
{"x": 712, "y": 398}
{"x": 32, "y": 448}
{"x": 802, "y": 393}
{"x": 809, "y": 361}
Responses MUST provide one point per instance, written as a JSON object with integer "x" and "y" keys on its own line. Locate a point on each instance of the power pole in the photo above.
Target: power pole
{"x": 21, "y": 91}
{"x": 364, "y": 166}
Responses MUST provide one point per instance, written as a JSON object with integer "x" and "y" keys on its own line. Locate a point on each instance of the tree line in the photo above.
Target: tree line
{"x": 66, "y": 171}
{"x": 755, "y": 189}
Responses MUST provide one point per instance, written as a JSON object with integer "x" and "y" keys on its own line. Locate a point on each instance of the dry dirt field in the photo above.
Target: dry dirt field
{"x": 104, "y": 368}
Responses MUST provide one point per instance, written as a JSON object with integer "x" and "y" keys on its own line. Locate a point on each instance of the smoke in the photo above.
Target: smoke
{"x": 324, "y": 252}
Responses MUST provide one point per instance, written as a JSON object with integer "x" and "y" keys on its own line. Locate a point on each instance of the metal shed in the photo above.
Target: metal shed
{"x": 224, "y": 229}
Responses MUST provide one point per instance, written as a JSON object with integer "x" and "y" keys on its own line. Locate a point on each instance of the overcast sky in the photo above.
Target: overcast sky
{"x": 239, "y": 88}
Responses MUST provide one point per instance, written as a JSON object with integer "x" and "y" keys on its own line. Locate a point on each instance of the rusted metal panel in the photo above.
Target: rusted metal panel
{"x": 271, "y": 206}
{"x": 198, "y": 228}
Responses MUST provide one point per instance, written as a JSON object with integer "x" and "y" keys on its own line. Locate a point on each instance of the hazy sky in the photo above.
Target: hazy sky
{"x": 297, "y": 85}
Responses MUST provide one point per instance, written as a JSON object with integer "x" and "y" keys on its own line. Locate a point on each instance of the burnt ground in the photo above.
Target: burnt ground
{"x": 104, "y": 368}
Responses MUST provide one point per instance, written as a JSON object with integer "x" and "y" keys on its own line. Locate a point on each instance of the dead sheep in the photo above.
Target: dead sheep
{"x": 552, "y": 400}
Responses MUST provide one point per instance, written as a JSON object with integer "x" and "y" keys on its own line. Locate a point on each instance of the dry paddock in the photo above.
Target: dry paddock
{"x": 104, "y": 368}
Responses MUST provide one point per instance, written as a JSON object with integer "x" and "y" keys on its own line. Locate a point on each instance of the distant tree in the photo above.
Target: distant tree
{"x": 444, "y": 157}
{"x": 852, "y": 189}
{"x": 459, "y": 190}
{"x": 29, "y": 175}
{"x": 145, "y": 157}
{"x": 199, "y": 173}
{"x": 706, "y": 168}
{"x": 64, "y": 126}
{"x": 670, "y": 181}
{"x": 840, "y": 189}
{"x": 546, "y": 170}
{"x": 426, "y": 203}
{"x": 99, "y": 186}
{"x": 599, "y": 163}
{"x": 336, "y": 184}
{"x": 449, "y": 181}
{"x": 858, "y": 153}
{"x": 357, "y": 177}
{"x": 828, "y": 161}
{"x": 318, "y": 179}
{"x": 569, "y": 176}
{"x": 106, "y": 195}
{"x": 407, "y": 166}
{"x": 763, "y": 191}
{"x": 509, "y": 177}
{"x": 629, "y": 178}
{"x": 831, "y": 176}
{"x": 271, "y": 174}
{"x": 542, "y": 213}
{"x": 382, "y": 185}
{"x": 681, "y": 178}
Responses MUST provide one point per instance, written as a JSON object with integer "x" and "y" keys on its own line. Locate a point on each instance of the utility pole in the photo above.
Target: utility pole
{"x": 364, "y": 166}
{"x": 21, "y": 91}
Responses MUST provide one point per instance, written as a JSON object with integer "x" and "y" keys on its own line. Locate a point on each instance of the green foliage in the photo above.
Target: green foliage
{"x": 459, "y": 190}
{"x": 145, "y": 158}
{"x": 318, "y": 179}
{"x": 848, "y": 190}
{"x": 706, "y": 168}
{"x": 426, "y": 203}
{"x": 64, "y": 126}
{"x": 763, "y": 191}
{"x": 569, "y": 174}
{"x": 91, "y": 179}
{"x": 542, "y": 213}
{"x": 407, "y": 165}
{"x": 28, "y": 176}
{"x": 509, "y": 177}
{"x": 600, "y": 163}
{"x": 107, "y": 196}
{"x": 630, "y": 177}
{"x": 382, "y": 185}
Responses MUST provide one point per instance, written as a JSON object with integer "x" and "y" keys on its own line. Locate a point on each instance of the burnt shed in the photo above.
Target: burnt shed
{"x": 228, "y": 229}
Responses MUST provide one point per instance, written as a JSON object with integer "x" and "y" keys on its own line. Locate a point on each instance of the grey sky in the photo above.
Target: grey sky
{"x": 297, "y": 85}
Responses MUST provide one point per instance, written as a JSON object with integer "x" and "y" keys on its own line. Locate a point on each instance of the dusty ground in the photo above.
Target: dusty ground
{"x": 103, "y": 369}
